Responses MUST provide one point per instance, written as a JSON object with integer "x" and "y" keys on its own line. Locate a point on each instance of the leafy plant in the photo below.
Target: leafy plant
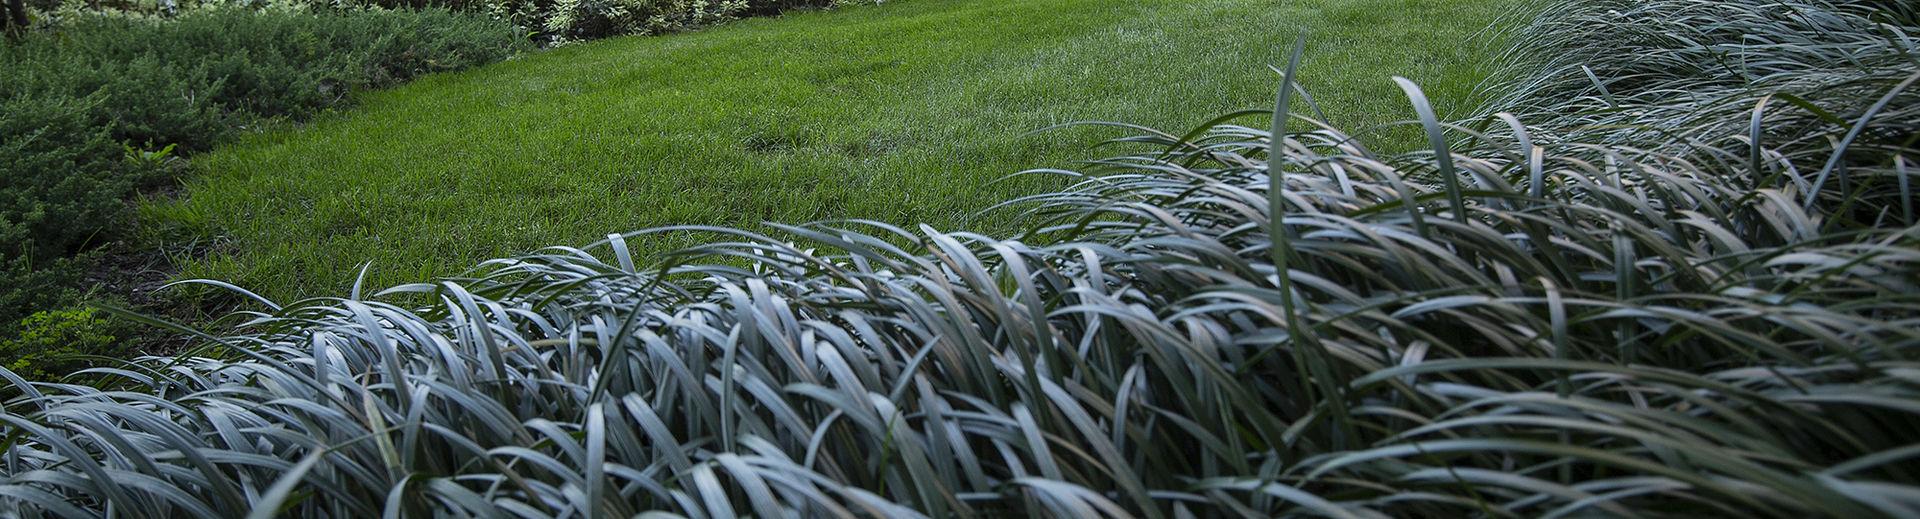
{"x": 583, "y": 19}
{"x": 573, "y": 20}
{"x": 52, "y": 343}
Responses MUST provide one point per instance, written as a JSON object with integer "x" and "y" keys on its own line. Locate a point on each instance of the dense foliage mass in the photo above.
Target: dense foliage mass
{"x": 567, "y": 20}
{"x": 1534, "y": 320}
{"x": 1825, "y": 87}
{"x": 96, "y": 110}
{"x": 550, "y": 21}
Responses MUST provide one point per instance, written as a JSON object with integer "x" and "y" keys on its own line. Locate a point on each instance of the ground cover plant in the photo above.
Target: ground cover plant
{"x": 904, "y": 112}
{"x": 1254, "y": 318}
{"x": 101, "y": 107}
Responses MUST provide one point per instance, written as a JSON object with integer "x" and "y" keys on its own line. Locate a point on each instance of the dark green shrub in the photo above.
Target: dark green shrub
{"x": 84, "y": 105}
{"x": 65, "y": 177}
{"x": 192, "y": 79}
{"x": 550, "y": 20}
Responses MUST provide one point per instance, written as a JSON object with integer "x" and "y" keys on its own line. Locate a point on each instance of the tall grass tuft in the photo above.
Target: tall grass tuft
{"x": 1572, "y": 321}
{"x": 1709, "y": 79}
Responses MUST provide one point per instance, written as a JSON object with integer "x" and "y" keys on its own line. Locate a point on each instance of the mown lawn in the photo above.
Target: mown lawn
{"x": 905, "y": 112}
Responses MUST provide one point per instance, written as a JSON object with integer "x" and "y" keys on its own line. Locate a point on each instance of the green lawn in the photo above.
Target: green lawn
{"x": 904, "y": 112}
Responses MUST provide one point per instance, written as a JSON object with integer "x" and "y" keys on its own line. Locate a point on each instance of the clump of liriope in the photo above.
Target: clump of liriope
{"x": 1707, "y": 79}
{"x": 1220, "y": 323}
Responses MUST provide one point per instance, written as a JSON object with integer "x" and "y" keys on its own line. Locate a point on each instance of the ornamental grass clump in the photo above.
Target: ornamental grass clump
{"x": 1216, "y": 323}
{"x": 1825, "y": 87}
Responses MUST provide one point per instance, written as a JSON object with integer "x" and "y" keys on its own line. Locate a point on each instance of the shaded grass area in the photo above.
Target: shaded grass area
{"x": 906, "y": 112}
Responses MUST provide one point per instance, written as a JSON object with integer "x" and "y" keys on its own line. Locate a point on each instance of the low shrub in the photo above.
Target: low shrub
{"x": 92, "y": 110}
{"x": 583, "y": 19}
{"x": 565, "y": 20}
{"x": 51, "y": 344}
{"x": 193, "y": 79}
{"x": 64, "y": 180}
{"x": 65, "y": 177}
{"x": 549, "y": 21}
